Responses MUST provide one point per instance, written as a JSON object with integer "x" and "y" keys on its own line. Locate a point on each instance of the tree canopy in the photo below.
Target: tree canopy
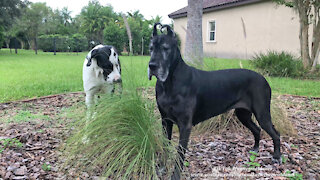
{"x": 97, "y": 23}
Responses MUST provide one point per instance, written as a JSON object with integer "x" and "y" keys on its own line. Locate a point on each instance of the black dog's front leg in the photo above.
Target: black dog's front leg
{"x": 184, "y": 130}
{"x": 167, "y": 126}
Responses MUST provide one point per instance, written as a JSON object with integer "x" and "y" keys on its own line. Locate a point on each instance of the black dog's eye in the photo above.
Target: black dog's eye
{"x": 166, "y": 48}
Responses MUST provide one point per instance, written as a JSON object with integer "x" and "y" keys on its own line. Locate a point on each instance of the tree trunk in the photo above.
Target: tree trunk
{"x": 35, "y": 45}
{"x": 15, "y": 46}
{"x": 315, "y": 60}
{"x": 304, "y": 43}
{"x": 303, "y": 8}
{"x": 8, "y": 44}
{"x": 142, "y": 46}
{"x": 128, "y": 33}
{"x": 194, "y": 46}
{"x": 316, "y": 37}
{"x": 29, "y": 43}
{"x": 22, "y": 44}
{"x": 101, "y": 37}
{"x": 54, "y": 46}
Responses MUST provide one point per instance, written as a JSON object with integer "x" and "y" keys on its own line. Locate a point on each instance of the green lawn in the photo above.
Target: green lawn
{"x": 26, "y": 75}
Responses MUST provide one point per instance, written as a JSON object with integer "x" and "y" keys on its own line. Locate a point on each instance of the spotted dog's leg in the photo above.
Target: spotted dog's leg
{"x": 89, "y": 114}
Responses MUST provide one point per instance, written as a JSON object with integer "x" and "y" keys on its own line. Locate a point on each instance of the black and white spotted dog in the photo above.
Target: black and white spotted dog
{"x": 101, "y": 70}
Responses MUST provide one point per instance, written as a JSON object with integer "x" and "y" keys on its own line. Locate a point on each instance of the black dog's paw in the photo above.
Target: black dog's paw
{"x": 161, "y": 171}
{"x": 276, "y": 160}
{"x": 254, "y": 149}
{"x": 175, "y": 176}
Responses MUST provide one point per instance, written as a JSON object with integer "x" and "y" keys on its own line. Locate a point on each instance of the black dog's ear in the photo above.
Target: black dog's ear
{"x": 155, "y": 31}
{"x": 94, "y": 53}
{"x": 169, "y": 30}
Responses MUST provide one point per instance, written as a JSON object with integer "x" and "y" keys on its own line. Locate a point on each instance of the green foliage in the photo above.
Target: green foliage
{"x": 10, "y": 9}
{"x": 24, "y": 116}
{"x": 252, "y": 158}
{"x": 75, "y": 43}
{"x": 46, "y": 167}
{"x": 44, "y": 74}
{"x": 125, "y": 142}
{"x": 141, "y": 33}
{"x": 285, "y": 2}
{"x": 293, "y": 176}
{"x": 94, "y": 18}
{"x": 284, "y": 159}
{"x": 115, "y": 35}
{"x": 186, "y": 164}
{"x": 1, "y": 36}
{"x": 9, "y": 143}
{"x": 279, "y": 64}
{"x": 46, "y": 43}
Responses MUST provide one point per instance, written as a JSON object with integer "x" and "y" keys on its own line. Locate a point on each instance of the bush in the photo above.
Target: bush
{"x": 63, "y": 43}
{"x": 126, "y": 141}
{"x": 46, "y": 43}
{"x": 1, "y": 36}
{"x": 78, "y": 43}
{"x": 115, "y": 35}
{"x": 228, "y": 120}
{"x": 279, "y": 64}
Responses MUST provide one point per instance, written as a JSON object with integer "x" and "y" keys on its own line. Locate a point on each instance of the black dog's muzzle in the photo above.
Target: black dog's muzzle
{"x": 152, "y": 68}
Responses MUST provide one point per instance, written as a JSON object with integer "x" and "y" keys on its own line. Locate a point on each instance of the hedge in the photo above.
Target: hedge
{"x": 75, "y": 43}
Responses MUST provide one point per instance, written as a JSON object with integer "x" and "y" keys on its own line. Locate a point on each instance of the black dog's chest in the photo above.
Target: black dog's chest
{"x": 165, "y": 102}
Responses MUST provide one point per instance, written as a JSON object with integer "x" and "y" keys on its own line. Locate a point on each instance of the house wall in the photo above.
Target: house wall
{"x": 267, "y": 25}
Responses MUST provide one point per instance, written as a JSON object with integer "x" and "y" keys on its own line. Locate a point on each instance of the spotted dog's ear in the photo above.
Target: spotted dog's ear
{"x": 93, "y": 54}
{"x": 169, "y": 30}
{"x": 155, "y": 31}
{"x": 119, "y": 65}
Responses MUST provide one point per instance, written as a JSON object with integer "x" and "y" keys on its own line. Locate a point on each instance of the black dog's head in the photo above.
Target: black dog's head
{"x": 107, "y": 58}
{"x": 164, "y": 53}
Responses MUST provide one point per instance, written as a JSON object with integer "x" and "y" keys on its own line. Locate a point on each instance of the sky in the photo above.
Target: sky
{"x": 149, "y": 8}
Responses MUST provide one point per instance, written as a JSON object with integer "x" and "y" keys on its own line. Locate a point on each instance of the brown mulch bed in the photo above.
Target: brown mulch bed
{"x": 209, "y": 155}
{"x": 41, "y": 129}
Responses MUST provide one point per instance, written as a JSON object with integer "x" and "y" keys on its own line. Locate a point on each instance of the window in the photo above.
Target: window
{"x": 211, "y": 31}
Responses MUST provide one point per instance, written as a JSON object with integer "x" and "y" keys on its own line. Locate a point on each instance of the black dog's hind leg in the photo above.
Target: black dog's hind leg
{"x": 245, "y": 118}
{"x": 264, "y": 120}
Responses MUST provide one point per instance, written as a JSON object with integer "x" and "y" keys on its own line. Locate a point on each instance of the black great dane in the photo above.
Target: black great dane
{"x": 187, "y": 96}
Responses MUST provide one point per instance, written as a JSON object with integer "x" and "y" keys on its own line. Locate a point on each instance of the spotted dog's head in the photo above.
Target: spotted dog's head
{"x": 164, "y": 53}
{"x": 107, "y": 58}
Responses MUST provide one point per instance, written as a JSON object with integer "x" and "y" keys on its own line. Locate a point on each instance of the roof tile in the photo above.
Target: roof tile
{"x": 211, "y": 4}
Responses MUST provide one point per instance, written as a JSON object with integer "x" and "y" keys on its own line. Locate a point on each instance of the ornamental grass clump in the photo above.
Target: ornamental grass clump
{"x": 125, "y": 140}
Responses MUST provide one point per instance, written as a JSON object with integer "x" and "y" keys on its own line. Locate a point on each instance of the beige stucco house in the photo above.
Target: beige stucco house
{"x": 241, "y": 28}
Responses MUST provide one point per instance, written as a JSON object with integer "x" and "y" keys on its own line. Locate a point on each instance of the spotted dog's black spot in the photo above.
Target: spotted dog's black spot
{"x": 102, "y": 56}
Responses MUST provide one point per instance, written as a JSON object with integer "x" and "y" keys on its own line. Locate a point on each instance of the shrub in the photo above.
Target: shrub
{"x": 46, "y": 43}
{"x": 126, "y": 140}
{"x": 1, "y": 36}
{"x": 228, "y": 120}
{"x": 77, "y": 43}
{"x": 115, "y": 35}
{"x": 281, "y": 64}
